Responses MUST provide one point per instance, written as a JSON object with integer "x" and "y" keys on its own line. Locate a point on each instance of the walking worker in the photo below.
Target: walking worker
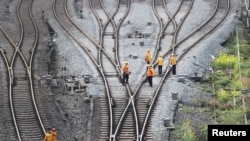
{"x": 125, "y": 72}
{"x": 54, "y": 134}
{"x": 148, "y": 56}
{"x": 173, "y": 63}
{"x": 160, "y": 62}
{"x": 150, "y": 74}
{"x": 48, "y": 136}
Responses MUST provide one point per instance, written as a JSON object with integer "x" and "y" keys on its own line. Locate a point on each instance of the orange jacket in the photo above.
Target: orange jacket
{"x": 173, "y": 60}
{"x": 48, "y": 137}
{"x": 54, "y": 133}
{"x": 125, "y": 69}
{"x": 160, "y": 61}
{"x": 151, "y": 71}
{"x": 148, "y": 56}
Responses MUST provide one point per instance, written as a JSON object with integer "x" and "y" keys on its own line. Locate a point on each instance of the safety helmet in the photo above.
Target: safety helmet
{"x": 149, "y": 65}
{"x": 160, "y": 55}
{"x": 148, "y": 49}
{"x": 126, "y": 62}
{"x": 172, "y": 54}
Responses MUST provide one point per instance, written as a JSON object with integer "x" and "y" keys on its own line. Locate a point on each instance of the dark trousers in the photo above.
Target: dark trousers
{"x": 125, "y": 78}
{"x": 160, "y": 69}
{"x": 174, "y": 69}
{"x": 150, "y": 80}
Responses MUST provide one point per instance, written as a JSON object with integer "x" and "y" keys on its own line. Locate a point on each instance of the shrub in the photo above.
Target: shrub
{"x": 214, "y": 104}
{"x": 231, "y": 116}
{"x": 185, "y": 131}
{"x": 223, "y": 96}
{"x": 225, "y": 61}
{"x": 246, "y": 82}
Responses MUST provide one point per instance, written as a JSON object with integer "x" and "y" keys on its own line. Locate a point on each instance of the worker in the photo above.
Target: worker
{"x": 160, "y": 64}
{"x": 54, "y": 134}
{"x": 125, "y": 73}
{"x": 148, "y": 56}
{"x": 173, "y": 64}
{"x": 150, "y": 74}
{"x": 48, "y": 136}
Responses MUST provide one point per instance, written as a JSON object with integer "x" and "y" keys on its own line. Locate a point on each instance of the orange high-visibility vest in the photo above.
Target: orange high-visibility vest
{"x": 54, "y": 133}
{"x": 150, "y": 72}
{"x": 160, "y": 61}
{"x": 48, "y": 137}
{"x": 125, "y": 69}
{"x": 173, "y": 60}
{"x": 148, "y": 56}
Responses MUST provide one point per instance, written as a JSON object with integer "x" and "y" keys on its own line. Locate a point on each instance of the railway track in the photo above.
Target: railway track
{"x": 125, "y": 116}
{"x": 126, "y": 110}
{"x": 22, "y": 102}
{"x": 152, "y": 100}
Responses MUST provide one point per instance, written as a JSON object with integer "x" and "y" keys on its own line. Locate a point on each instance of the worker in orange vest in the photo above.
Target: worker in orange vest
{"x": 148, "y": 56}
{"x": 125, "y": 72}
{"x": 150, "y": 74}
{"x": 48, "y": 136}
{"x": 173, "y": 64}
{"x": 160, "y": 62}
{"x": 54, "y": 134}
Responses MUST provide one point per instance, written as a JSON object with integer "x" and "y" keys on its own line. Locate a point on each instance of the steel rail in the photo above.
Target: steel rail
{"x": 110, "y": 19}
{"x": 202, "y": 25}
{"x": 10, "y": 75}
{"x": 158, "y": 89}
{"x": 92, "y": 59}
{"x": 91, "y": 39}
{"x": 159, "y": 36}
{"x": 101, "y": 43}
{"x": 100, "y": 28}
{"x": 172, "y": 17}
{"x": 168, "y": 70}
{"x": 113, "y": 136}
{"x": 28, "y": 67}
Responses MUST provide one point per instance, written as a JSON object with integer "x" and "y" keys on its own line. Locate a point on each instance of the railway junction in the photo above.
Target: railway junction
{"x": 61, "y": 61}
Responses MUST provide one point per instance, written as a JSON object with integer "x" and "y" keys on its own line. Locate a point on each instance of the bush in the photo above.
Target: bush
{"x": 185, "y": 131}
{"x": 231, "y": 116}
{"x": 225, "y": 61}
{"x": 223, "y": 96}
{"x": 214, "y": 104}
{"x": 246, "y": 82}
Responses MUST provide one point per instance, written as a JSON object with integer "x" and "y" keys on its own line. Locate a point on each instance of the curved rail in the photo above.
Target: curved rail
{"x": 168, "y": 69}
{"x": 158, "y": 89}
{"x": 92, "y": 59}
{"x": 27, "y": 66}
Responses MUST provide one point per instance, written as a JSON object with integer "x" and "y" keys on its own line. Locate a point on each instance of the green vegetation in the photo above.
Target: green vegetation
{"x": 231, "y": 79}
{"x": 231, "y": 75}
{"x": 185, "y": 131}
{"x": 225, "y": 61}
